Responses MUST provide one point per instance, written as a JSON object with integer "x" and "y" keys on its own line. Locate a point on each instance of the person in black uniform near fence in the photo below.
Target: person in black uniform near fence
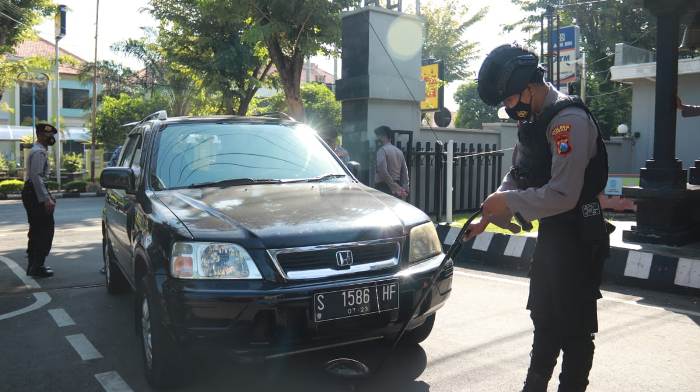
{"x": 39, "y": 203}
{"x": 559, "y": 167}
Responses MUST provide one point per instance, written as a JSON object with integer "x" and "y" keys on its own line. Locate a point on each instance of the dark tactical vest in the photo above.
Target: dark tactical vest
{"x": 533, "y": 164}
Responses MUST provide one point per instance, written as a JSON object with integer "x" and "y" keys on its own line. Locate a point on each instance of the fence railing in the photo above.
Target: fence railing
{"x": 476, "y": 172}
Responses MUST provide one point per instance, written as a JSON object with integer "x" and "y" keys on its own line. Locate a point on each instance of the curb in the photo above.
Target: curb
{"x": 623, "y": 266}
{"x": 63, "y": 195}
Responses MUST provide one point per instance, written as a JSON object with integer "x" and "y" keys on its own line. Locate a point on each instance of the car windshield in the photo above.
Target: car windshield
{"x": 200, "y": 154}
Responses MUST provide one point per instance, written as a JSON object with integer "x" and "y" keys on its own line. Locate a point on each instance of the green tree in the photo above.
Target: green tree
{"x": 11, "y": 68}
{"x": 117, "y": 111}
{"x": 293, "y": 30}
{"x": 321, "y": 109}
{"x": 162, "y": 75}
{"x": 206, "y": 36}
{"x": 445, "y": 27}
{"x": 113, "y": 77}
{"x": 18, "y": 19}
{"x": 472, "y": 110}
{"x": 603, "y": 24}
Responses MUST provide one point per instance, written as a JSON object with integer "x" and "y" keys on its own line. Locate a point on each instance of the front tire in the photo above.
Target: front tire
{"x": 162, "y": 358}
{"x": 418, "y": 335}
{"x": 115, "y": 281}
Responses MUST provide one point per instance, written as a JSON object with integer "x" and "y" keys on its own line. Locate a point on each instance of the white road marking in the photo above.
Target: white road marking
{"x": 605, "y": 297}
{"x": 28, "y": 281}
{"x": 112, "y": 382}
{"x": 61, "y": 318}
{"x": 688, "y": 273}
{"x": 41, "y": 299}
{"x": 638, "y": 264}
{"x": 83, "y": 347}
{"x": 515, "y": 247}
{"x": 482, "y": 241}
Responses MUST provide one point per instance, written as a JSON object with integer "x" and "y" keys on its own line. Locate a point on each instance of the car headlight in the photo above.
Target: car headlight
{"x": 206, "y": 260}
{"x": 424, "y": 243}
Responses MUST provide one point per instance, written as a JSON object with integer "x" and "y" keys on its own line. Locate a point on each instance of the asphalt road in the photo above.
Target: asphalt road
{"x": 67, "y": 334}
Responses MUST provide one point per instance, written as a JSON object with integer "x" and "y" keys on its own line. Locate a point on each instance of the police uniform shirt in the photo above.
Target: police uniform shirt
{"x": 572, "y": 138}
{"x": 38, "y": 171}
{"x": 391, "y": 166}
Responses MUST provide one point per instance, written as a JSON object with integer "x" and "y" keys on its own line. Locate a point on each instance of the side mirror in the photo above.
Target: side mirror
{"x": 354, "y": 167}
{"x": 118, "y": 178}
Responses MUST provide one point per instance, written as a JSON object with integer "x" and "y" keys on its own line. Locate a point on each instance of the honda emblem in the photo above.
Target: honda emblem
{"x": 343, "y": 258}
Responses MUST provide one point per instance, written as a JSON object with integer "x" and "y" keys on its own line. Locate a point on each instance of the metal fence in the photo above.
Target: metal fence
{"x": 476, "y": 172}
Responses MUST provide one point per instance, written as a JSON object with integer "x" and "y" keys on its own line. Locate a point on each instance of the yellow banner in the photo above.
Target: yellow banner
{"x": 430, "y": 74}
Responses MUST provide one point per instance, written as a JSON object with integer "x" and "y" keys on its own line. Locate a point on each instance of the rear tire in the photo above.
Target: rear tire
{"x": 115, "y": 281}
{"x": 162, "y": 358}
{"x": 418, "y": 335}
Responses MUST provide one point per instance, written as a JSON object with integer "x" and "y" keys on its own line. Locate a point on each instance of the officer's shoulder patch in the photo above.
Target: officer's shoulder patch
{"x": 560, "y": 135}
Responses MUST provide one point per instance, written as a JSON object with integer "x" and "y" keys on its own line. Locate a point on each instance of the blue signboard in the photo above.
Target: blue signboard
{"x": 567, "y": 38}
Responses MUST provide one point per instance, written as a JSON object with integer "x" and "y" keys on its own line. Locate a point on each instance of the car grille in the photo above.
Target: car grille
{"x": 318, "y": 262}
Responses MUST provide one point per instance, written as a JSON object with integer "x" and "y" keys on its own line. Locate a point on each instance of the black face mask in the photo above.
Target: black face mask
{"x": 521, "y": 111}
{"x": 51, "y": 141}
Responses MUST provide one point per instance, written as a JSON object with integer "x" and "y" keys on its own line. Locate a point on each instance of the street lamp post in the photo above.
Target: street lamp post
{"x": 60, "y": 33}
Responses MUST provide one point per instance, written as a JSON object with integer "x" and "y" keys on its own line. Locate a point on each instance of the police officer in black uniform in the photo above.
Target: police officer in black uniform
{"x": 559, "y": 168}
{"x": 39, "y": 203}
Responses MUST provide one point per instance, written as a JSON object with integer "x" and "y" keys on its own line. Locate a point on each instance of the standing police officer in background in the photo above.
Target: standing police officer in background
{"x": 559, "y": 167}
{"x": 39, "y": 203}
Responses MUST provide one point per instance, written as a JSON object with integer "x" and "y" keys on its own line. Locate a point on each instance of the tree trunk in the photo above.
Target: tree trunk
{"x": 228, "y": 102}
{"x": 289, "y": 69}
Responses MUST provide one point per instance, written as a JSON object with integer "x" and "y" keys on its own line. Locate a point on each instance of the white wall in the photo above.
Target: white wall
{"x": 687, "y": 129}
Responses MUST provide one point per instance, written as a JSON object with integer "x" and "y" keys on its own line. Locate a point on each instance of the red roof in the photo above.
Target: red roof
{"x": 43, "y": 48}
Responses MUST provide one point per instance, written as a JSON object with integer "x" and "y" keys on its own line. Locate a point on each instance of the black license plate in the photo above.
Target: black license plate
{"x": 356, "y": 301}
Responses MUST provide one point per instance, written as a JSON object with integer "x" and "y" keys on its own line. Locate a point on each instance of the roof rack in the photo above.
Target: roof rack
{"x": 280, "y": 115}
{"x": 159, "y": 115}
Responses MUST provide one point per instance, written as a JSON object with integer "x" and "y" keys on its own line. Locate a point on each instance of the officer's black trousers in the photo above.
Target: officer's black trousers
{"x": 562, "y": 303}
{"x": 41, "y": 228}
{"x": 576, "y": 364}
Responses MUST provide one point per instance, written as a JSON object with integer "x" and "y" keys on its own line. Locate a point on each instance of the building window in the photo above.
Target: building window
{"x": 76, "y": 98}
{"x": 39, "y": 105}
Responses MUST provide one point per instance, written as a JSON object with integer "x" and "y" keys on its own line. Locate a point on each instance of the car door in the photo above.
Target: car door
{"x": 119, "y": 204}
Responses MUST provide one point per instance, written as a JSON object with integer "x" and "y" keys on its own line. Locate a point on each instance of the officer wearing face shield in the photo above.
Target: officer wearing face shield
{"x": 39, "y": 203}
{"x": 559, "y": 168}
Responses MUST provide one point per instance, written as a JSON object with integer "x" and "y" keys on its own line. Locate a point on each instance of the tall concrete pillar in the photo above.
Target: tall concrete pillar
{"x": 380, "y": 79}
{"x": 665, "y": 202}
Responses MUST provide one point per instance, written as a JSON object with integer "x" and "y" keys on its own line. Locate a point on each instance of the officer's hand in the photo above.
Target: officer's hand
{"x": 505, "y": 222}
{"x": 495, "y": 207}
{"x": 50, "y": 205}
{"x": 475, "y": 229}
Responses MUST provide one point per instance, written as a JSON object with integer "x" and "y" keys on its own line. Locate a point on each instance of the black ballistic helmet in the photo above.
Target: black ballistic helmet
{"x": 506, "y": 71}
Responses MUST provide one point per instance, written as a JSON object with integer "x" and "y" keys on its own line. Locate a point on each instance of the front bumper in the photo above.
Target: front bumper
{"x": 271, "y": 319}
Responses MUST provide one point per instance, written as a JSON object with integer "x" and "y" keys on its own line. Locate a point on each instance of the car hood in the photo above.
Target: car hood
{"x": 277, "y": 216}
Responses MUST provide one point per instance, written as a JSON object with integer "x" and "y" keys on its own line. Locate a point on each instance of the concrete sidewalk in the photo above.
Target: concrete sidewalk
{"x": 673, "y": 269}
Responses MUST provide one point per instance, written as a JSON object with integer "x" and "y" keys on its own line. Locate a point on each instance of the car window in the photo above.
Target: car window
{"x": 196, "y": 153}
{"x": 127, "y": 151}
{"x": 136, "y": 159}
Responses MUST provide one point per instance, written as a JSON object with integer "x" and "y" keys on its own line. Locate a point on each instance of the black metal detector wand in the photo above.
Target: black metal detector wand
{"x": 351, "y": 368}
{"x": 450, "y": 255}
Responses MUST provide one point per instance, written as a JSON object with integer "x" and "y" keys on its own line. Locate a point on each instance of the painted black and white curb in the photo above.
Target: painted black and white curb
{"x": 62, "y": 195}
{"x": 625, "y": 266}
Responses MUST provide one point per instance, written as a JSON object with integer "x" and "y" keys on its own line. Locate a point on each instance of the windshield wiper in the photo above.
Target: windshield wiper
{"x": 233, "y": 182}
{"x": 321, "y": 178}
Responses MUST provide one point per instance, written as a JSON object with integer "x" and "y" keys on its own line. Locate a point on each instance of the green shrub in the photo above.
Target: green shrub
{"x": 75, "y": 186}
{"x": 11, "y": 186}
{"x": 93, "y": 187}
{"x": 52, "y": 185}
{"x": 4, "y": 163}
{"x": 72, "y": 162}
